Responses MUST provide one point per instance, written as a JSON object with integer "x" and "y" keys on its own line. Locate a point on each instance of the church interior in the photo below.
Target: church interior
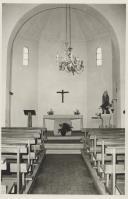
{"x": 63, "y": 99}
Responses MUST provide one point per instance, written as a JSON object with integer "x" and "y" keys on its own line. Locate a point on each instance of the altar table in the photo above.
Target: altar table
{"x": 58, "y": 119}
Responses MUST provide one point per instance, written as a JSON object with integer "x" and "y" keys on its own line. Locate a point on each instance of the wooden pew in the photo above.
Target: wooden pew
{"x": 20, "y": 130}
{"x": 7, "y": 187}
{"x": 96, "y": 142}
{"x": 17, "y": 150}
{"x": 34, "y": 147}
{"x": 15, "y": 140}
{"x": 29, "y": 141}
{"x": 33, "y": 132}
{"x": 41, "y": 130}
{"x": 93, "y": 144}
{"x": 36, "y": 135}
{"x": 3, "y": 163}
{"x": 97, "y": 134}
{"x": 120, "y": 187}
{"x": 100, "y": 131}
{"x": 114, "y": 168}
{"x": 23, "y": 134}
{"x": 107, "y": 142}
{"x": 101, "y": 158}
{"x": 105, "y": 134}
{"x": 35, "y": 151}
{"x": 88, "y": 130}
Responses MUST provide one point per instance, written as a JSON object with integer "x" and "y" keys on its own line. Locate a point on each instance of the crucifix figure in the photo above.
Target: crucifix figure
{"x": 62, "y": 93}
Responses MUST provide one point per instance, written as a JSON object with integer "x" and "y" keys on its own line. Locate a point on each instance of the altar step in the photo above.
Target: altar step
{"x": 49, "y": 138}
{"x": 63, "y": 146}
{"x": 61, "y": 151}
{"x": 57, "y": 148}
{"x": 73, "y": 133}
{"x": 65, "y": 139}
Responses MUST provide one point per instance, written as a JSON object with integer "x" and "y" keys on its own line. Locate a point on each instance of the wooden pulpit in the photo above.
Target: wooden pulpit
{"x": 29, "y": 113}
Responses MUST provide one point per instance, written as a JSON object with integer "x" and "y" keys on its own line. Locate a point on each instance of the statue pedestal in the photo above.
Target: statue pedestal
{"x": 106, "y": 118}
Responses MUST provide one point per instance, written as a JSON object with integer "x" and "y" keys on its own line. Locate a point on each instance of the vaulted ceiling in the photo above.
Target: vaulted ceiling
{"x": 50, "y": 24}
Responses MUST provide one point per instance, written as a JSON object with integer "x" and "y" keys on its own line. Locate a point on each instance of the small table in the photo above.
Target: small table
{"x": 60, "y": 119}
{"x": 105, "y": 120}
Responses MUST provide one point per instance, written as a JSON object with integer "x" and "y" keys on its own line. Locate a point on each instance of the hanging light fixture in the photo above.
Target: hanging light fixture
{"x": 69, "y": 62}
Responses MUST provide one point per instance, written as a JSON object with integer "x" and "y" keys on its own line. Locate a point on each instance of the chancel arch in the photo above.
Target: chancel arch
{"x": 86, "y": 37}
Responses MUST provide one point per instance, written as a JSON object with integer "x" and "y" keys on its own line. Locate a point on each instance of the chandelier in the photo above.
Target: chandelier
{"x": 69, "y": 62}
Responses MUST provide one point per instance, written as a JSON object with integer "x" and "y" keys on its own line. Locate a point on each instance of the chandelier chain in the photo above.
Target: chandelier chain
{"x": 66, "y": 25}
{"x": 70, "y": 25}
{"x": 69, "y": 62}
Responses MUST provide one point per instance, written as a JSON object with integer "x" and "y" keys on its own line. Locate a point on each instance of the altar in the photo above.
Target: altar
{"x": 58, "y": 119}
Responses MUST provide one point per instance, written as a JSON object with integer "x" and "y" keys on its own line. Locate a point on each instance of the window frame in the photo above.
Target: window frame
{"x": 25, "y": 56}
{"x": 99, "y": 57}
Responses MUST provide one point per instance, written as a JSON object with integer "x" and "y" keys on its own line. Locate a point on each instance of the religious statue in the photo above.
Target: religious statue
{"x": 105, "y": 103}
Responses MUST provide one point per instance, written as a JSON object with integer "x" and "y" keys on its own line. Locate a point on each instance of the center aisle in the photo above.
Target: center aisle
{"x": 64, "y": 174}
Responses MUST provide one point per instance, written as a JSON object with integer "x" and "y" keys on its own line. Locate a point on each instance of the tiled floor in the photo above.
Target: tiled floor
{"x": 64, "y": 174}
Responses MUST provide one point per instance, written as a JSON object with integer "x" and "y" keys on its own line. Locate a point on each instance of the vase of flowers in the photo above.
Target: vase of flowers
{"x": 50, "y": 112}
{"x": 76, "y": 112}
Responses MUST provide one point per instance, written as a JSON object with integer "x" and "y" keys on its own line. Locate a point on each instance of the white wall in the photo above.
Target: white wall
{"x": 115, "y": 15}
{"x": 35, "y": 86}
{"x": 99, "y": 78}
{"x": 51, "y": 80}
{"x": 24, "y": 83}
{"x": 11, "y": 14}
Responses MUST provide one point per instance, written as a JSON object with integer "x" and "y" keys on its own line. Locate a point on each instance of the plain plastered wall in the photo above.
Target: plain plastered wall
{"x": 51, "y": 80}
{"x": 11, "y": 14}
{"x": 99, "y": 78}
{"x": 24, "y": 83}
{"x": 35, "y": 86}
{"x": 115, "y": 14}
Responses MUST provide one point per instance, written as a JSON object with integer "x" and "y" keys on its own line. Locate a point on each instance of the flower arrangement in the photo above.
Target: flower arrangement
{"x": 76, "y": 112}
{"x": 50, "y": 112}
{"x": 65, "y": 127}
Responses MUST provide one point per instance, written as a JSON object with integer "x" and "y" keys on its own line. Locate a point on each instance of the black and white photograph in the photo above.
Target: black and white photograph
{"x": 63, "y": 113}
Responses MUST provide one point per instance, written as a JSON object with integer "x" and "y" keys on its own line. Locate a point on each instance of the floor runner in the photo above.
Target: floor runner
{"x": 64, "y": 174}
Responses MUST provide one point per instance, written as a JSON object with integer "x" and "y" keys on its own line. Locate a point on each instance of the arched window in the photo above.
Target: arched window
{"x": 25, "y": 56}
{"x": 99, "y": 56}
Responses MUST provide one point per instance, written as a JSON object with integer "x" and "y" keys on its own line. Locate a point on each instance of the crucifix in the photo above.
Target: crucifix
{"x": 62, "y": 93}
